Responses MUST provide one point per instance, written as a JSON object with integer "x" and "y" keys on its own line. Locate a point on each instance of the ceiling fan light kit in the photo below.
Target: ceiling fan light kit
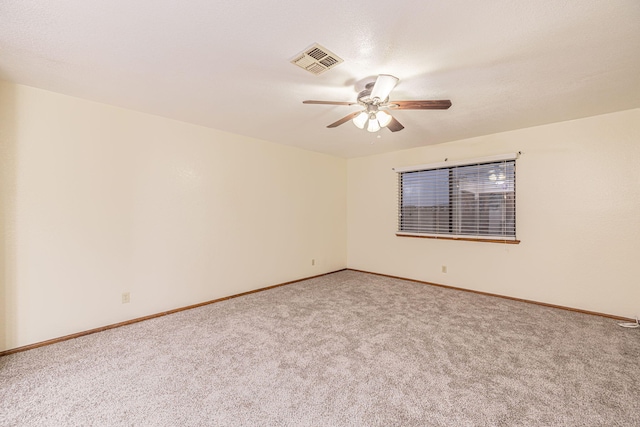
{"x": 372, "y": 121}
{"x": 361, "y": 119}
{"x": 384, "y": 118}
{"x": 373, "y": 125}
{"x": 375, "y": 100}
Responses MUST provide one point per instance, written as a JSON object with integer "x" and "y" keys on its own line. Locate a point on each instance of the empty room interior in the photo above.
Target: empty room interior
{"x": 419, "y": 213}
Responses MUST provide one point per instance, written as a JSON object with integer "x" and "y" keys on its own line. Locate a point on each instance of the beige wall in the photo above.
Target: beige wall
{"x": 578, "y": 216}
{"x": 98, "y": 200}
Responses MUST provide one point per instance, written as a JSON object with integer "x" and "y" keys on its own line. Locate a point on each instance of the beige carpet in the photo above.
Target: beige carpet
{"x": 347, "y": 349}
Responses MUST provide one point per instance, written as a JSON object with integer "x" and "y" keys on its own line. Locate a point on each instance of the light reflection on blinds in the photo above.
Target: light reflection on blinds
{"x": 475, "y": 200}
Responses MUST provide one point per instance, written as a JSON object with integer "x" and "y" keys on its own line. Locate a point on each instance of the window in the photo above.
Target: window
{"x": 459, "y": 200}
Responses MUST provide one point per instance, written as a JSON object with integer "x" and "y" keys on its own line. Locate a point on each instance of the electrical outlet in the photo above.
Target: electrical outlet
{"x": 313, "y": 262}
{"x": 444, "y": 268}
{"x": 126, "y": 297}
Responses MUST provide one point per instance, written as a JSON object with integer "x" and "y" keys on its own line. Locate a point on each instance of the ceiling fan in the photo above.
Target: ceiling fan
{"x": 375, "y": 100}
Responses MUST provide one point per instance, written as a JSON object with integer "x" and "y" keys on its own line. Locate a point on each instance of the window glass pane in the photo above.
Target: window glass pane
{"x": 471, "y": 200}
{"x": 425, "y": 208}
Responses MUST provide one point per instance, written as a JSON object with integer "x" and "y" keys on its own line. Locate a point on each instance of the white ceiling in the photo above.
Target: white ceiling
{"x": 505, "y": 64}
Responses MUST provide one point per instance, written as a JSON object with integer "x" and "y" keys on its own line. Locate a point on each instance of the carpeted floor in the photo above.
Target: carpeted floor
{"x": 347, "y": 349}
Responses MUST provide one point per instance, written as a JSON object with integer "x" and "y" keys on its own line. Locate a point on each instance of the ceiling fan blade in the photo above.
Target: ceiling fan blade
{"x": 383, "y": 87}
{"x": 344, "y": 119}
{"x": 419, "y": 105}
{"x": 394, "y": 125}
{"x": 329, "y": 102}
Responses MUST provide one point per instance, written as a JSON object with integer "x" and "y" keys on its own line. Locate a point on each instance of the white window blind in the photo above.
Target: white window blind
{"x": 474, "y": 199}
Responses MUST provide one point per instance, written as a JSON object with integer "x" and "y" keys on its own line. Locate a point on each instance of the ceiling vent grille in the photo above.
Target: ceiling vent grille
{"x": 316, "y": 59}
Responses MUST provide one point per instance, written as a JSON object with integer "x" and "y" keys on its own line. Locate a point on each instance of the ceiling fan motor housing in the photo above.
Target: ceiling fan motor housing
{"x": 364, "y": 96}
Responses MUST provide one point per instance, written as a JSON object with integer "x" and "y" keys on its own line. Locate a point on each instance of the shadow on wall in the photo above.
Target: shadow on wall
{"x": 8, "y": 163}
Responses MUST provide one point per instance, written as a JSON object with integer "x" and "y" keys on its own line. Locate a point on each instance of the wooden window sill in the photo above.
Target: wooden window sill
{"x": 466, "y": 239}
